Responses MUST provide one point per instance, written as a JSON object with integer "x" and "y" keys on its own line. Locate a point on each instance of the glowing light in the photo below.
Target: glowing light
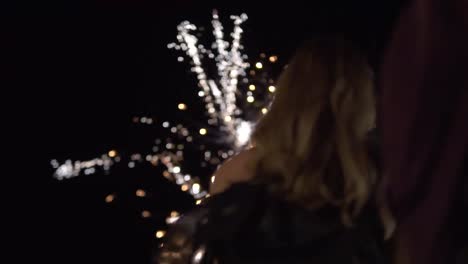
{"x": 271, "y": 89}
{"x": 201, "y": 93}
{"x": 176, "y": 169}
{"x": 202, "y": 131}
{"x": 252, "y": 87}
{"x": 182, "y": 106}
{"x": 184, "y": 187}
{"x": 213, "y": 178}
{"x": 227, "y": 118}
{"x": 140, "y": 193}
{"x": 112, "y": 153}
{"x": 198, "y": 256}
{"x": 174, "y": 214}
{"x": 258, "y": 65}
{"x": 172, "y": 218}
{"x": 264, "y": 110}
{"x": 212, "y": 121}
{"x": 146, "y": 214}
{"x": 273, "y": 58}
{"x": 71, "y": 169}
{"x": 196, "y": 188}
{"x": 250, "y": 99}
{"x": 54, "y": 163}
{"x": 109, "y": 198}
{"x": 89, "y": 171}
{"x": 197, "y": 202}
{"x": 165, "y": 124}
{"x": 160, "y": 233}
{"x": 136, "y": 156}
{"x": 243, "y": 133}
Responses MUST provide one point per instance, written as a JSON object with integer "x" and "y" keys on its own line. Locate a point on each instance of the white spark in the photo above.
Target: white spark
{"x": 176, "y": 169}
{"x": 243, "y": 132}
{"x": 71, "y": 169}
{"x": 196, "y": 188}
{"x": 219, "y": 92}
{"x": 198, "y": 256}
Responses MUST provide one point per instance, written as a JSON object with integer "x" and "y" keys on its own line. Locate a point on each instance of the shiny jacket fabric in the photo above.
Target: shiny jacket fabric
{"x": 246, "y": 224}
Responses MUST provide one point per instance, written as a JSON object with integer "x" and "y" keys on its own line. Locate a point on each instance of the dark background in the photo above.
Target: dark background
{"x": 87, "y": 67}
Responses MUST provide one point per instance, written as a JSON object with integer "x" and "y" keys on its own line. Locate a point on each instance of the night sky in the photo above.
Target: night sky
{"x": 96, "y": 64}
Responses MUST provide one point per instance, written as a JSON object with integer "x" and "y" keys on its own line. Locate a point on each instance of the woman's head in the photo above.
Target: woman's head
{"x": 312, "y": 142}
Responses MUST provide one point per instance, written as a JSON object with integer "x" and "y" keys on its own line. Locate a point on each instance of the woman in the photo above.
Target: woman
{"x": 309, "y": 174}
{"x": 313, "y": 145}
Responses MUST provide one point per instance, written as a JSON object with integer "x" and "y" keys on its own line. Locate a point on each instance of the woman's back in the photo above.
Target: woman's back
{"x": 247, "y": 224}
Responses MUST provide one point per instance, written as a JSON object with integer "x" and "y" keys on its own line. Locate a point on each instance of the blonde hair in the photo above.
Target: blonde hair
{"x": 311, "y": 146}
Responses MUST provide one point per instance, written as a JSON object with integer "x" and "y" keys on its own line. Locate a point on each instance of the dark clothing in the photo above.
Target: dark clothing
{"x": 246, "y": 224}
{"x": 424, "y": 124}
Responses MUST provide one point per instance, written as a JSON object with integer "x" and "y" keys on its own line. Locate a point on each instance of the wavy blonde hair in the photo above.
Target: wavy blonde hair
{"x": 311, "y": 146}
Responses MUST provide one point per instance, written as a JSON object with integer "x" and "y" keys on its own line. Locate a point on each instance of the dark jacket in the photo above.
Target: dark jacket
{"x": 246, "y": 224}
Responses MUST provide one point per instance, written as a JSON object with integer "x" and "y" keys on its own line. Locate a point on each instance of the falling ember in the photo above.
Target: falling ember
{"x": 109, "y": 198}
{"x": 140, "y": 193}
{"x": 182, "y": 106}
{"x": 172, "y": 218}
{"x": 146, "y": 214}
{"x": 160, "y": 233}
{"x": 112, "y": 153}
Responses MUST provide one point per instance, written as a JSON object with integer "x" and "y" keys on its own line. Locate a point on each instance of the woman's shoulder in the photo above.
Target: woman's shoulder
{"x": 237, "y": 169}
